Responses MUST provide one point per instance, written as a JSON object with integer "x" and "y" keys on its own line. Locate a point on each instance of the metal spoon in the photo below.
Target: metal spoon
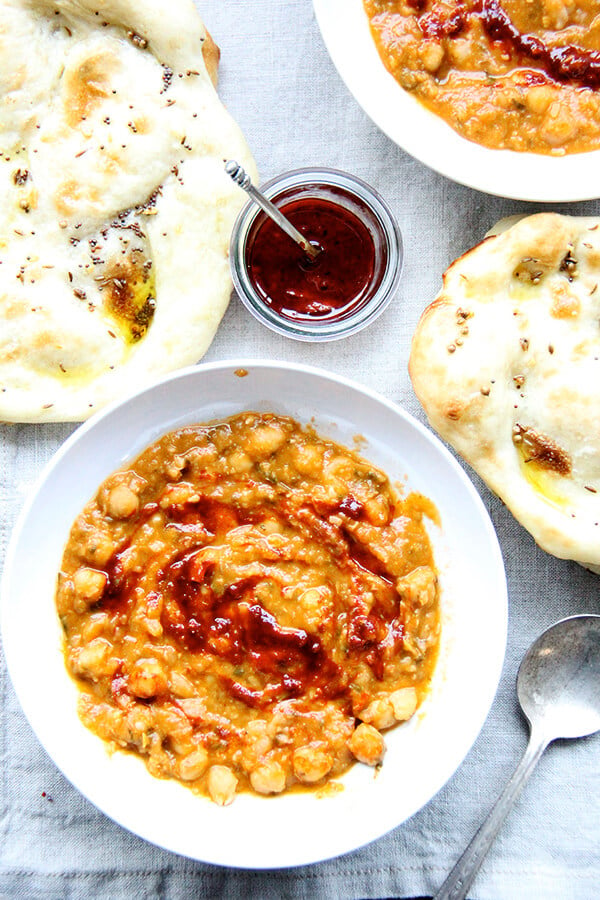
{"x": 241, "y": 178}
{"x": 558, "y": 686}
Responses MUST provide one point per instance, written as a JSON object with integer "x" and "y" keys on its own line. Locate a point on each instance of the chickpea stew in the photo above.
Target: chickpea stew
{"x": 248, "y": 606}
{"x": 506, "y": 74}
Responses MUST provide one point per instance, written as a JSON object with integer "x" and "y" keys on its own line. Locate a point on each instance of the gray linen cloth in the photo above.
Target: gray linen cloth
{"x": 278, "y": 81}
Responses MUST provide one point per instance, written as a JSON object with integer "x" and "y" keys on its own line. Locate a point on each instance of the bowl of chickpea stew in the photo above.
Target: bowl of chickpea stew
{"x": 501, "y": 97}
{"x": 260, "y": 607}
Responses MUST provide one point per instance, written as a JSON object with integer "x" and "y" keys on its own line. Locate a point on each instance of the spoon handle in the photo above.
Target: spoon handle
{"x": 461, "y": 877}
{"x": 271, "y": 210}
{"x": 242, "y": 179}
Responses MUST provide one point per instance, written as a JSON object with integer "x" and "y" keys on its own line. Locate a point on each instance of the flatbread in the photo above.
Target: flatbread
{"x": 115, "y": 212}
{"x": 506, "y": 362}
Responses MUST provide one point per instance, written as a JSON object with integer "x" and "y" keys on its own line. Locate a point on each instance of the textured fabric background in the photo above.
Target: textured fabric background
{"x": 278, "y": 81}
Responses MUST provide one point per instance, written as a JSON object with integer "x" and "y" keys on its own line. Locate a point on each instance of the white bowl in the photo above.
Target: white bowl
{"x": 521, "y": 176}
{"x": 291, "y": 829}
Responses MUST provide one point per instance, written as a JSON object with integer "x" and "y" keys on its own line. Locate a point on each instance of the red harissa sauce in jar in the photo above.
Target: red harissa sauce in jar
{"x": 334, "y": 285}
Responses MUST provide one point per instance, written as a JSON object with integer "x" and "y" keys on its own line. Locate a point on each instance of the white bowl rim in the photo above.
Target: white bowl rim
{"x": 425, "y": 136}
{"x": 366, "y": 831}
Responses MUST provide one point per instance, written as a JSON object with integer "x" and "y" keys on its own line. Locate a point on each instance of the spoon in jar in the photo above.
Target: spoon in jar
{"x": 558, "y": 687}
{"x": 243, "y": 180}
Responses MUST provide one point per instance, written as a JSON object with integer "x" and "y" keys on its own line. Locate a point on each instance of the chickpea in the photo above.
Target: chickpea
{"x": 432, "y": 55}
{"x": 311, "y": 763}
{"x": 258, "y": 737}
{"x": 559, "y": 125}
{"x": 311, "y": 599}
{"x": 122, "y": 502}
{"x": 194, "y": 764}
{"x": 339, "y": 467}
{"x": 378, "y": 509}
{"x": 265, "y": 440}
{"x": 308, "y": 459}
{"x": 379, "y": 713}
{"x": 367, "y": 745}
{"x": 89, "y": 584}
{"x": 159, "y": 765}
{"x": 239, "y": 461}
{"x": 404, "y": 702}
{"x": 314, "y": 605}
{"x": 270, "y": 526}
{"x": 138, "y": 722}
{"x": 171, "y": 723}
{"x": 539, "y": 97}
{"x": 418, "y": 587}
{"x": 147, "y": 678}
{"x": 383, "y": 712}
{"x": 221, "y": 784}
{"x": 100, "y": 550}
{"x": 93, "y": 660}
{"x": 268, "y": 778}
{"x": 459, "y": 51}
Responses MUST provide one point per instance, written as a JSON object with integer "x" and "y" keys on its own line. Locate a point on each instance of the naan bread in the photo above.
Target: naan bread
{"x": 115, "y": 211}
{"x": 506, "y": 362}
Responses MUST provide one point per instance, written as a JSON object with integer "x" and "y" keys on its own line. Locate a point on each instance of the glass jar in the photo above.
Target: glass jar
{"x": 340, "y": 196}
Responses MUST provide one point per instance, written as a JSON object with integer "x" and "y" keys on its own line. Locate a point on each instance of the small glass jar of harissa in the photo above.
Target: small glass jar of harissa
{"x": 355, "y": 274}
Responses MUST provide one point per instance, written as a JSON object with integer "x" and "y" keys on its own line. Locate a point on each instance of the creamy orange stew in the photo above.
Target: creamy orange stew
{"x": 510, "y": 74}
{"x": 248, "y": 606}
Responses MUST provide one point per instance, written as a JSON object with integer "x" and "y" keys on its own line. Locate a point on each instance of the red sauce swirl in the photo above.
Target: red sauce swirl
{"x": 236, "y": 627}
{"x": 568, "y": 63}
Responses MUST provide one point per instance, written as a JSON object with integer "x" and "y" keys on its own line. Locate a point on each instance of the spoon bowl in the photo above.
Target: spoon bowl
{"x": 558, "y": 685}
